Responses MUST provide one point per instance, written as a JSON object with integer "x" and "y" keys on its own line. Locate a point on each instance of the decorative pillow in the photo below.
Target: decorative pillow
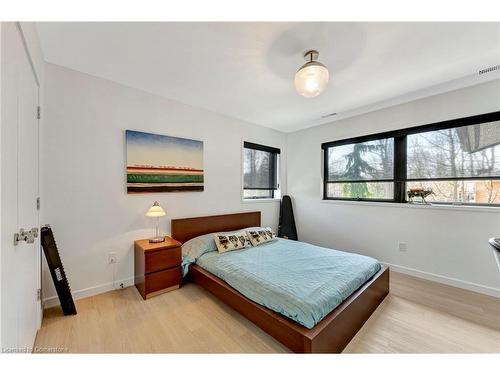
{"x": 195, "y": 248}
{"x": 231, "y": 241}
{"x": 261, "y": 235}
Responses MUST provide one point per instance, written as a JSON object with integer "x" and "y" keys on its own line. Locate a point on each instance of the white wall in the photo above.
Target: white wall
{"x": 445, "y": 244}
{"x": 1, "y": 179}
{"x": 83, "y": 182}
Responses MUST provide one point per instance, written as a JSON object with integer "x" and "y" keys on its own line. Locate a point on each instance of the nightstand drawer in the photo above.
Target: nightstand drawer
{"x": 157, "y": 266}
{"x": 162, "y": 259}
{"x": 158, "y": 281}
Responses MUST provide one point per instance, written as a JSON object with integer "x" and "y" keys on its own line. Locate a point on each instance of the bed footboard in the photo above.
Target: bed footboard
{"x": 331, "y": 335}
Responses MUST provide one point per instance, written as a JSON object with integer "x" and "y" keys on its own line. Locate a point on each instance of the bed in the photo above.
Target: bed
{"x": 303, "y": 321}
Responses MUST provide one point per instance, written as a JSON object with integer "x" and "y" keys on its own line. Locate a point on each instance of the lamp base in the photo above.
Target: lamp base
{"x": 157, "y": 239}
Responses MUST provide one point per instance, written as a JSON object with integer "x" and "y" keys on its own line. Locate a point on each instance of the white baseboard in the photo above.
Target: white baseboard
{"x": 103, "y": 288}
{"x": 494, "y": 292}
{"x": 92, "y": 291}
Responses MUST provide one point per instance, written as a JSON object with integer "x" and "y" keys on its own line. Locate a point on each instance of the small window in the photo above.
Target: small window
{"x": 260, "y": 171}
{"x": 362, "y": 170}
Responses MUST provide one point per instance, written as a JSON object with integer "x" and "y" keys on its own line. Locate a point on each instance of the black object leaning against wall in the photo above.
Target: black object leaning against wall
{"x": 286, "y": 228}
{"x": 57, "y": 271}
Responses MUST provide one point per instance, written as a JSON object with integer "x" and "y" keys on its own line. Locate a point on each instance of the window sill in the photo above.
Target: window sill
{"x": 431, "y": 206}
{"x": 261, "y": 200}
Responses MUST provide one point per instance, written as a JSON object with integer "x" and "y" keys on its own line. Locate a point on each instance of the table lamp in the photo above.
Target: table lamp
{"x": 156, "y": 211}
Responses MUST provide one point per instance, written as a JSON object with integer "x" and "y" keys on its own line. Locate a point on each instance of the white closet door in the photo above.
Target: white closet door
{"x": 20, "y": 262}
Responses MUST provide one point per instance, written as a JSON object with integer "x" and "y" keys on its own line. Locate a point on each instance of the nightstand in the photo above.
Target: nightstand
{"x": 157, "y": 266}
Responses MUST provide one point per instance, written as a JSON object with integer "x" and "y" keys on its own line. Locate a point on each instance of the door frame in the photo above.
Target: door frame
{"x": 38, "y": 121}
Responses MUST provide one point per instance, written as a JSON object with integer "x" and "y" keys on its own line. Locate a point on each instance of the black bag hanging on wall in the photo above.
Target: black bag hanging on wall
{"x": 57, "y": 271}
{"x": 286, "y": 228}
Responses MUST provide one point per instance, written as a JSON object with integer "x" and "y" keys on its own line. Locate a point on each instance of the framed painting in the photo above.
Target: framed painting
{"x": 160, "y": 163}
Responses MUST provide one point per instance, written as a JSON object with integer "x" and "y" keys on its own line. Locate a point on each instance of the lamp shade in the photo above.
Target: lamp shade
{"x": 311, "y": 79}
{"x": 155, "y": 210}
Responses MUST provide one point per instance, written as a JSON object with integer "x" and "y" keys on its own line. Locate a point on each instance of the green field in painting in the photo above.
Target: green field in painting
{"x": 152, "y": 178}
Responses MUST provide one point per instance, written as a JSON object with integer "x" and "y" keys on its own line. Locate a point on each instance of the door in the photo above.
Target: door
{"x": 20, "y": 262}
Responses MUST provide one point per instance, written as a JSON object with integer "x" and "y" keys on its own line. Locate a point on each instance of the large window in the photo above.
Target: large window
{"x": 260, "y": 171}
{"x": 458, "y": 160}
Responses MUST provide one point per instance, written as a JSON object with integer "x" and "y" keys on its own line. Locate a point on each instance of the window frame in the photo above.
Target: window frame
{"x": 259, "y": 147}
{"x": 400, "y": 179}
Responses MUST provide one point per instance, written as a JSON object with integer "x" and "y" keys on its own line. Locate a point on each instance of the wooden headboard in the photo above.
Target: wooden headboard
{"x": 185, "y": 229}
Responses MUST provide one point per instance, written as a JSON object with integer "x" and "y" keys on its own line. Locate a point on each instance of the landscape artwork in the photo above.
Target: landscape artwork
{"x": 160, "y": 163}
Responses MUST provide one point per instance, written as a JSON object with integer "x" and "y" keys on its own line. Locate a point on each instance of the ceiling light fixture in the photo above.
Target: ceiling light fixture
{"x": 312, "y": 77}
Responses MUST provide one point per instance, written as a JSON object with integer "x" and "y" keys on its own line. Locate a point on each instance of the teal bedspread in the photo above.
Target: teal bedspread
{"x": 300, "y": 281}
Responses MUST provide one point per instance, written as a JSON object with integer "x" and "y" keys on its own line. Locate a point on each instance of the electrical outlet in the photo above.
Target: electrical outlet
{"x": 402, "y": 246}
{"x": 112, "y": 259}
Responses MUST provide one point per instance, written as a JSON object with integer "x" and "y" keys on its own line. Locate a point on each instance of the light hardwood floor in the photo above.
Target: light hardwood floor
{"x": 418, "y": 316}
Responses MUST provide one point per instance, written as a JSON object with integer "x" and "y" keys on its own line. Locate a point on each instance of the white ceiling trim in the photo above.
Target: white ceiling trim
{"x": 457, "y": 84}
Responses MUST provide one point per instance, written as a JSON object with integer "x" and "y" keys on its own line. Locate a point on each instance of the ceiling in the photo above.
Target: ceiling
{"x": 246, "y": 70}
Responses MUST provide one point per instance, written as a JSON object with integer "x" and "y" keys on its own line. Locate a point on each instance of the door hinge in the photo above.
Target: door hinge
{"x": 38, "y": 203}
{"x": 38, "y": 113}
{"x": 39, "y": 294}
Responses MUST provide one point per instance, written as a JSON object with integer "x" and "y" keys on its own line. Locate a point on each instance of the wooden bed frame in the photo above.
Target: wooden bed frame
{"x": 330, "y": 335}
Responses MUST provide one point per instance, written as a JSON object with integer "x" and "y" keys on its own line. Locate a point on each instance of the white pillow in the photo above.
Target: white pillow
{"x": 258, "y": 236}
{"x": 231, "y": 241}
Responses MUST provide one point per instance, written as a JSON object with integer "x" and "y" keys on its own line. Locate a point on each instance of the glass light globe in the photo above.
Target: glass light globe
{"x": 311, "y": 79}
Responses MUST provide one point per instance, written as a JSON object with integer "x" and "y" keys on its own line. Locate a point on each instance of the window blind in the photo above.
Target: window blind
{"x": 260, "y": 167}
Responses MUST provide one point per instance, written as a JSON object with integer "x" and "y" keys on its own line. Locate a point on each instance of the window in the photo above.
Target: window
{"x": 458, "y": 160}
{"x": 260, "y": 171}
{"x": 361, "y": 170}
{"x": 460, "y": 164}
